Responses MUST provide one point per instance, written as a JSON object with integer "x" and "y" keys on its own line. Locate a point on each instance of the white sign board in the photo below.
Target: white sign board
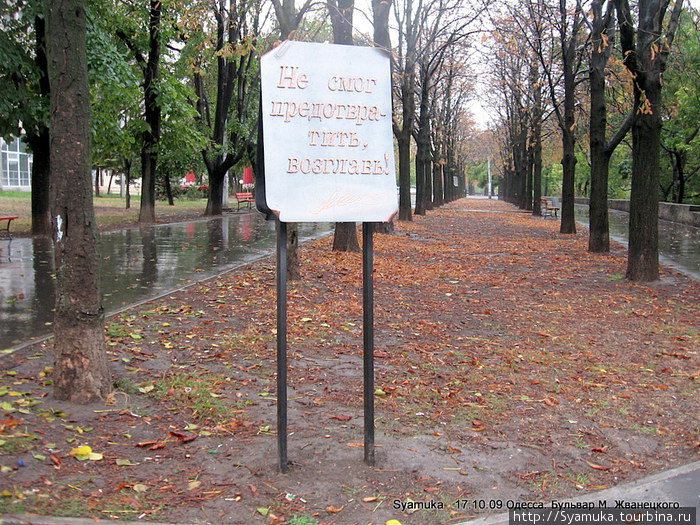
{"x": 329, "y": 149}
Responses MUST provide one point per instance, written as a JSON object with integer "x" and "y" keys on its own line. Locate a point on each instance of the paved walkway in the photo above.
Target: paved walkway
{"x": 681, "y": 485}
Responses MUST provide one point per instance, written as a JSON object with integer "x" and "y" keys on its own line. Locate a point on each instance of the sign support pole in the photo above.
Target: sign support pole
{"x": 368, "y": 337}
{"x": 282, "y": 344}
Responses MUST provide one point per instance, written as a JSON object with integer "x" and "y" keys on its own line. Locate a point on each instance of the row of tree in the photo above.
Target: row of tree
{"x": 558, "y": 65}
{"x": 172, "y": 83}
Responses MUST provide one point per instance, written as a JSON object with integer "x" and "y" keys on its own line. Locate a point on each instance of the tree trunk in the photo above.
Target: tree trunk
{"x": 127, "y": 174}
{"x": 643, "y": 251}
{"x": 646, "y": 60}
{"x": 380, "y": 21}
{"x": 39, "y": 142}
{"x": 568, "y": 221}
{"x": 151, "y": 136}
{"x": 404, "y": 144}
{"x": 437, "y": 182}
{"x": 599, "y": 228}
{"x": 423, "y": 146}
{"x": 41, "y": 205}
{"x": 345, "y": 237}
{"x": 97, "y": 182}
{"x": 81, "y": 374}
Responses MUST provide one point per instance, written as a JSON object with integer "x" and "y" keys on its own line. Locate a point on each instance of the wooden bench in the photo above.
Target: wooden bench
{"x": 9, "y": 219}
{"x": 547, "y": 209}
{"x": 244, "y": 198}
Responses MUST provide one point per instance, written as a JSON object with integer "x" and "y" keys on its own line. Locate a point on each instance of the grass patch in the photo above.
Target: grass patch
{"x": 17, "y": 443}
{"x": 199, "y": 394}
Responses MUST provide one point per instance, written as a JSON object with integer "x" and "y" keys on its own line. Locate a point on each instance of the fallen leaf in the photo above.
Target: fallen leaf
{"x": 334, "y": 510}
{"x": 596, "y": 466}
{"x": 195, "y": 483}
{"x": 370, "y": 499}
{"x": 354, "y": 444}
{"x": 139, "y": 487}
{"x": 342, "y": 418}
{"x": 81, "y": 451}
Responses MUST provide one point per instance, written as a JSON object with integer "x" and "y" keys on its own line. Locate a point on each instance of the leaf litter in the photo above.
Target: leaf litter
{"x": 510, "y": 364}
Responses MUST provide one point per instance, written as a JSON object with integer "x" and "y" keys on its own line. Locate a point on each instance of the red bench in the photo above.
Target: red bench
{"x": 244, "y": 198}
{"x": 547, "y": 209}
{"x": 9, "y": 219}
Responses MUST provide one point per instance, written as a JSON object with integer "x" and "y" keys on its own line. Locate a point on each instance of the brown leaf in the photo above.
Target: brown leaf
{"x": 56, "y": 461}
{"x": 334, "y": 510}
{"x": 596, "y": 466}
{"x": 184, "y": 438}
{"x": 370, "y": 499}
{"x": 342, "y": 417}
{"x": 145, "y": 443}
{"x": 358, "y": 445}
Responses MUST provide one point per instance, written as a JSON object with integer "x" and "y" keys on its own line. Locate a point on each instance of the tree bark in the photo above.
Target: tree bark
{"x": 345, "y": 235}
{"x": 380, "y": 21}
{"x": 39, "y": 142}
{"x": 536, "y": 140}
{"x": 599, "y": 227}
{"x": 81, "y": 374}
{"x": 41, "y": 195}
{"x": 151, "y": 136}
{"x": 646, "y": 54}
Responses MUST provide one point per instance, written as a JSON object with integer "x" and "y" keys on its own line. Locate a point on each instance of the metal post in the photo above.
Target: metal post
{"x": 368, "y": 337}
{"x": 282, "y": 344}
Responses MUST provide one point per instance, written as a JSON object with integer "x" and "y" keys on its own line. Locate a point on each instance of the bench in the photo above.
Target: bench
{"x": 244, "y": 198}
{"x": 9, "y": 219}
{"x": 547, "y": 209}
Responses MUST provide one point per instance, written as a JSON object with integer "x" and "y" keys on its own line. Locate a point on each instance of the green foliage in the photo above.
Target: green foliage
{"x": 681, "y": 125}
{"x": 20, "y": 99}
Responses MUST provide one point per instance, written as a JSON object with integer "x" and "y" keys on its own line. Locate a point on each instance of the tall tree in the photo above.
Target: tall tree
{"x": 681, "y": 123}
{"x": 226, "y": 94}
{"x": 565, "y": 24}
{"x": 646, "y": 51}
{"x": 341, "y": 13}
{"x": 410, "y": 16}
{"x": 81, "y": 373}
{"x": 24, "y": 97}
{"x": 602, "y": 28}
{"x": 149, "y": 63}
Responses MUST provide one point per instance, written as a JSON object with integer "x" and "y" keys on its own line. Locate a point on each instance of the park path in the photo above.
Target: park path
{"x": 511, "y": 364}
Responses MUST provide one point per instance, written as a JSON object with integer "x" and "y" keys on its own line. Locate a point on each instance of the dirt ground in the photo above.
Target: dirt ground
{"x": 511, "y": 365}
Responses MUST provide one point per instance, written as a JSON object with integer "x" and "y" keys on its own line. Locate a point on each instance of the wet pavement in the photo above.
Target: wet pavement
{"x": 142, "y": 263}
{"x": 679, "y": 244}
{"x": 136, "y": 264}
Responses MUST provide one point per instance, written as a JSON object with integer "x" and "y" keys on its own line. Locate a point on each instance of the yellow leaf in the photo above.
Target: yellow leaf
{"x": 193, "y": 484}
{"x": 140, "y": 487}
{"x": 393, "y": 522}
{"x": 85, "y": 450}
{"x": 94, "y": 456}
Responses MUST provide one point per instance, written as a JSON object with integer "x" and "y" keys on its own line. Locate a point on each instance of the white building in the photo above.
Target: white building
{"x": 15, "y": 166}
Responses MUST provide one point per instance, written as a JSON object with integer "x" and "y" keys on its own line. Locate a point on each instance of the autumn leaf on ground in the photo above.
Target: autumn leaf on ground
{"x": 596, "y": 466}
